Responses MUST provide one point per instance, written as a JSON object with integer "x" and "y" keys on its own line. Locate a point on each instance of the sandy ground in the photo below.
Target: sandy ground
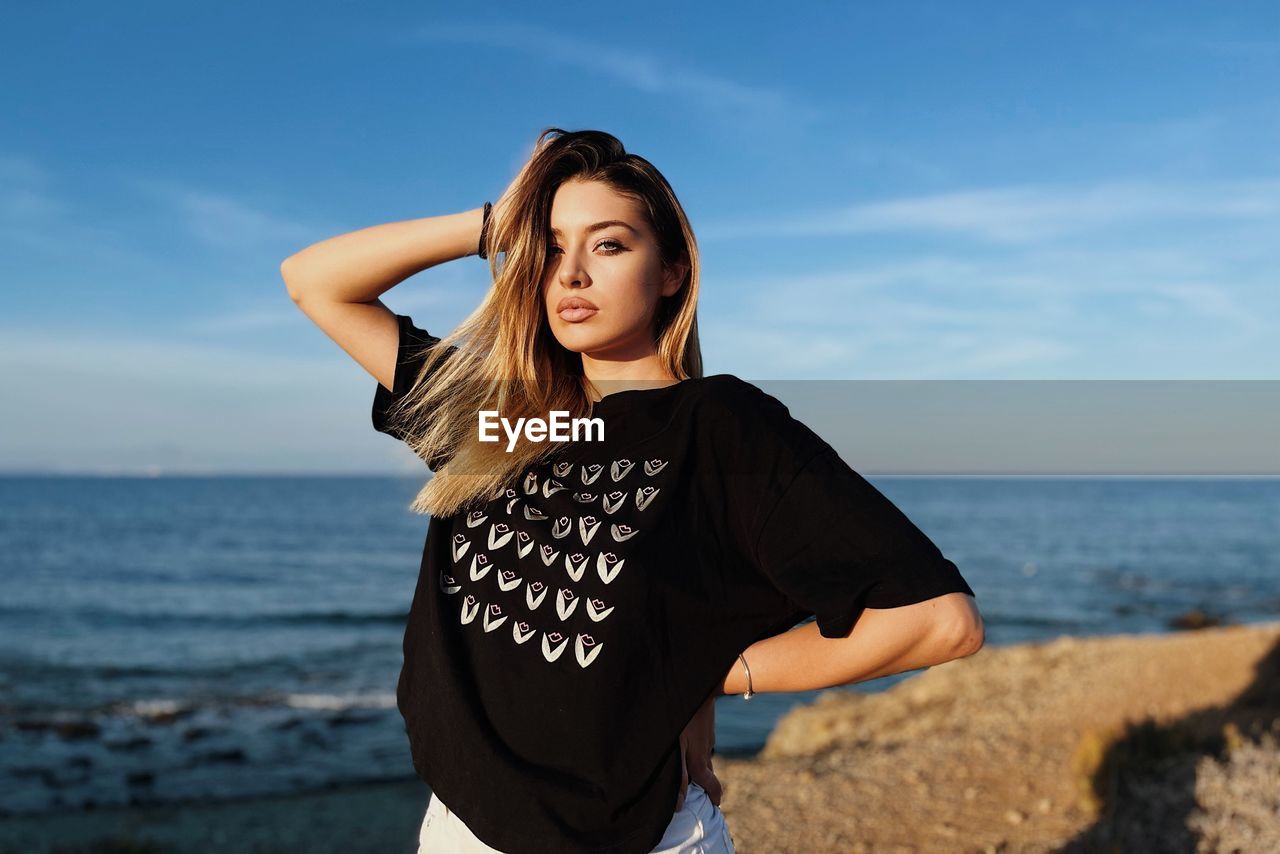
{"x": 1125, "y": 743}
{"x": 1022, "y": 748}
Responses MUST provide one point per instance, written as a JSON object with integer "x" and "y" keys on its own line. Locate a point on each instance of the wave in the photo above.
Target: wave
{"x": 97, "y": 617}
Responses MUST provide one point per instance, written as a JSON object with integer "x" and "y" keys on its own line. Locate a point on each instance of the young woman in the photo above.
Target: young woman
{"x": 583, "y": 599}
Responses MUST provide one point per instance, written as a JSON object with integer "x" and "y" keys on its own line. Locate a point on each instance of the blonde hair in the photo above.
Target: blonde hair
{"x": 504, "y": 356}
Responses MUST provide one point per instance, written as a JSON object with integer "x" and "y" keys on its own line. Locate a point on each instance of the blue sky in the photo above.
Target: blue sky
{"x": 880, "y": 191}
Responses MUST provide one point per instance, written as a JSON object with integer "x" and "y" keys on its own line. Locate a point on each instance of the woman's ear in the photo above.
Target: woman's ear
{"x": 674, "y": 276}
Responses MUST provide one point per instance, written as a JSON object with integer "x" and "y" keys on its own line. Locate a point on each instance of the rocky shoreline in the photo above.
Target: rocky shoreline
{"x": 1127, "y": 742}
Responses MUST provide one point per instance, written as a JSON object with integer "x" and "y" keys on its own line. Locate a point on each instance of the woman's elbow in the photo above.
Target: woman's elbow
{"x": 972, "y": 639}
{"x": 965, "y": 629}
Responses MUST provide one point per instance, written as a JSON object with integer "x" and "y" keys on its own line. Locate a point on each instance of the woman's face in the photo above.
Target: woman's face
{"x": 617, "y": 269}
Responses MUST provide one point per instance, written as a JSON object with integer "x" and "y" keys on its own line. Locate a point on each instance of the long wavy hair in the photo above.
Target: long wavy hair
{"x": 504, "y": 356}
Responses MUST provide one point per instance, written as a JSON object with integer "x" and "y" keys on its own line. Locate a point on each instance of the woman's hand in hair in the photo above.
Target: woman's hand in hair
{"x": 696, "y": 744}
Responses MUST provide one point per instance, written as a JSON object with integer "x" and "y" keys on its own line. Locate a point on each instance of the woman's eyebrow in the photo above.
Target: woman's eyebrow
{"x": 599, "y": 225}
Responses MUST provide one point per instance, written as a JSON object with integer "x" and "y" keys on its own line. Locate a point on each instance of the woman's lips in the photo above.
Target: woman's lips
{"x": 577, "y": 315}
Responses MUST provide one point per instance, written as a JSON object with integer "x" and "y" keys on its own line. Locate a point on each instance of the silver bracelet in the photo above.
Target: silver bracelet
{"x": 749, "y": 693}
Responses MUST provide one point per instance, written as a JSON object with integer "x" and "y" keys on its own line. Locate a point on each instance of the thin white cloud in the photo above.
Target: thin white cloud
{"x": 1235, "y": 45}
{"x": 20, "y": 206}
{"x": 993, "y": 358}
{"x": 1089, "y": 309}
{"x": 280, "y": 313}
{"x": 1208, "y": 300}
{"x": 19, "y": 168}
{"x": 104, "y": 353}
{"x": 647, "y": 72}
{"x": 26, "y": 197}
{"x": 1024, "y": 214}
{"x": 873, "y": 156}
{"x": 223, "y": 221}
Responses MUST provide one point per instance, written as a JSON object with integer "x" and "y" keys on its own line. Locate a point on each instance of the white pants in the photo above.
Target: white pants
{"x": 698, "y": 828}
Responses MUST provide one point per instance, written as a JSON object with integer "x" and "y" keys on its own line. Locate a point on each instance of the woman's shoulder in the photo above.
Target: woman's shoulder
{"x": 727, "y": 396}
{"x": 739, "y": 416}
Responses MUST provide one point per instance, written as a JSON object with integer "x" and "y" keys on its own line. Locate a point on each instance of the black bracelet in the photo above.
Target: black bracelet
{"x": 484, "y": 228}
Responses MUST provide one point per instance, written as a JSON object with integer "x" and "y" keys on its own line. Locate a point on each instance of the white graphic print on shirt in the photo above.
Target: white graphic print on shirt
{"x": 571, "y": 536}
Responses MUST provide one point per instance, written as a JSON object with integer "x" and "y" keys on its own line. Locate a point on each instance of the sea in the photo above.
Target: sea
{"x": 168, "y": 639}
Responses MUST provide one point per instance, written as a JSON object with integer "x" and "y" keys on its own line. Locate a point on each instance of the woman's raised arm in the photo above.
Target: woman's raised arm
{"x": 336, "y": 282}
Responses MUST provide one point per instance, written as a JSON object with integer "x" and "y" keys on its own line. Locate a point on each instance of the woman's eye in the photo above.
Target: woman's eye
{"x": 616, "y": 247}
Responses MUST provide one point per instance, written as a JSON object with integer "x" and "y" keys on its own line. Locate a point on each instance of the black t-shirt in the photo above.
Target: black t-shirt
{"x": 562, "y": 636}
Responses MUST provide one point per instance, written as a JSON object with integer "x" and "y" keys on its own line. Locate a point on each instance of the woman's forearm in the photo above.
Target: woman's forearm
{"x": 883, "y": 642}
{"x": 361, "y": 265}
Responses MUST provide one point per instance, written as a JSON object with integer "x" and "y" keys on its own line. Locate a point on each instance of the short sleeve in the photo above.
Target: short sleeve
{"x": 834, "y": 545}
{"x": 411, "y": 353}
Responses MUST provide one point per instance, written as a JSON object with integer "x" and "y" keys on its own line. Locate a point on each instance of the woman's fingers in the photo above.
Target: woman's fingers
{"x": 698, "y": 743}
{"x": 707, "y": 779}
{"x": 684, "y": 773}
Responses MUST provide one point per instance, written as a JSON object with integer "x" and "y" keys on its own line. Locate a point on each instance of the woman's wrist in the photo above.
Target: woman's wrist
{"x": 727, "y": 684}
{"x": 485, "y": 214}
